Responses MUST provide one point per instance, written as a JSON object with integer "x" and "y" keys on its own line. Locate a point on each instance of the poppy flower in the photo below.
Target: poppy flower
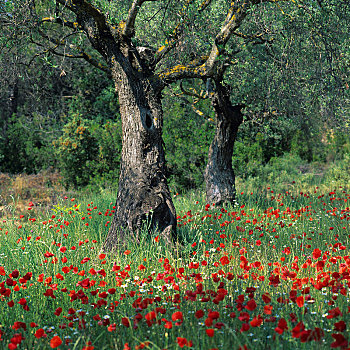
{"x": 340, "y": 326}
{"x": 39, "y": 333}
{"x": 168, "y": 325}
{"x": 334, "y": 313}
{"x": 340, "y": 341}
{"x": 181, "y": 342}
{"x": 281, "y": 326}
{"x": 213, "y": 315}
{"x": 199, "y": 314}
{"x": 300, "y": 301}
{"x": 251, "y": 305}
{"x": 268, "y": 309}
{"x": 210, "y": 332}
{"x": 55, "y": 342}
{"x": 256, "y": 321}
{"x": 125, "y": 322}
{"x": 224, "y": 260}
{"x": 177, "y": 316}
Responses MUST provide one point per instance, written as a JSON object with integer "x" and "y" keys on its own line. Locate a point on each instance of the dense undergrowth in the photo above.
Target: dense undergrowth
{"x": 270, "y": 272}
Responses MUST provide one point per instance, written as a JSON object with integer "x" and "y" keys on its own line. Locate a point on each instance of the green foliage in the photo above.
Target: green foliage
{"x": 89, "y": 154}
{"x": 187, "y": 137}
{"x": 94, "y": 96}
{"x": 77, "y": 150}
{"x": 26, "y": 147}
{"x": 301, "y": 145}
{"x": 107, "y": 168}
{"x": 339, "y": 173}
{"x": 249, "y": 257}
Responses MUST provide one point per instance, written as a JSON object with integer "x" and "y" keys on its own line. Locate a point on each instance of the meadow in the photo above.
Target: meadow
{"x": 270, "y": 272}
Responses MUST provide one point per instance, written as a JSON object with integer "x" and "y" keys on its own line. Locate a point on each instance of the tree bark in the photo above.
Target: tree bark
{"x": 143, "y": 194}
{"x": 219, "y": 175}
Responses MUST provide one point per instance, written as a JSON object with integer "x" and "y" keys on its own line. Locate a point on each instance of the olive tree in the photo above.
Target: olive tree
{"x": 143, "y": 45}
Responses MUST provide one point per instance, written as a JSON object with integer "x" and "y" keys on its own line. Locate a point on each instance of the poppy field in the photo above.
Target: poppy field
{"x": 270, "y": 272}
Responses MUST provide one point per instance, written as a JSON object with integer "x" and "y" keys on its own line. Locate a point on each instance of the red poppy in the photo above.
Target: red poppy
{"x": 281, "y": 326}
{"x": 112, "y": 327}
{"x": 177, "y": 316}
{"x": 298, "y": 330}
{"x": 168, "y": 325}
{"x": 224, "y": 260}
{"x": 213, "y": 315}
{"x": 340, "y": 341}
{"x": 208, "y": 322}
{"x": 125, "y": 322}
{"x": 316, "y": 253}
{"x": 245, "y": 327}
{"x": 268, "y": 309}
{"x": 55, "y": 342}
{"x": 199, "y": 314}
{"x": 340, "y": 326}
{"x": 300, "y": 301}
{"x": 182, "y": 342}
{"x": 256, "y": 321}
{"x": 85, "y": 260}
{"x": 210, "y": 332}
{"x": 334, "y": 313}
{"x": 251, "y": 305}
{"x": 39, "y": 333}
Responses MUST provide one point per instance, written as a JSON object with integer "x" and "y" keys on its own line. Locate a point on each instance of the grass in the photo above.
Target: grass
{"x": 272, "y": 272}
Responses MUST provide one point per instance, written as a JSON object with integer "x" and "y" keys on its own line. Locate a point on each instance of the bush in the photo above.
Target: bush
{"x": 27, "y": 146}
{"x": 187, "y": 137}
{"x": 89, "y": 154}
{"x": 339, "y": 172}
{"x": 107, "y": 168}
{"x": 76, "y": 151}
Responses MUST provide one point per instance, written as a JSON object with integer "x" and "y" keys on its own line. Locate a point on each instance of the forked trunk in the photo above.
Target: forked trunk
{"x": 219, "y": 175}
{"x": 143, "y": 193}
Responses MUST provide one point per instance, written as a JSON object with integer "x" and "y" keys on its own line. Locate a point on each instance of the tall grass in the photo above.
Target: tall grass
{"x": 271, "y": 272}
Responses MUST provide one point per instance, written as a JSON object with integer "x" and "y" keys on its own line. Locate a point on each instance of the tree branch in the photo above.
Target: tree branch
{"x": 82, "y": 54}
{"x": 62, "y": 22}
{"x": 90, "y": 18}
{"x": 235, "y": 15}
{"x": 129, "y": 26}
{"x": 204, "y": 5}
{"x": 172, "y": 41}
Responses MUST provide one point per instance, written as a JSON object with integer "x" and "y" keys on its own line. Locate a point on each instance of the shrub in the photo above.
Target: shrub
{"x": 89, "y": 154}
{"x": 77, "y": 151}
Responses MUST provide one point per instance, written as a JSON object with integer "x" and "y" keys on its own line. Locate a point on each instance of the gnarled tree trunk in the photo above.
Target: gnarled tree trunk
{"x": 143, "y": 193}
{"x": 219, "y": 176}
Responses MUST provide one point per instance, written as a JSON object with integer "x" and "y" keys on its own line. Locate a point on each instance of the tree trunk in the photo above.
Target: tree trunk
{"x": 143, "y": 194}
{"x": 219, "y": 176}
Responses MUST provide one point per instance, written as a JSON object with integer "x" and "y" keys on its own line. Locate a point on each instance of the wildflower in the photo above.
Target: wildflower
{"x": 340, "y": 341}
{"x": 340, "y": 326}
{"x": 177, "y": 316}
{"x": 210, "y": 332}
{"x": 334, "y": 313}
{"x": 183, "y": 342}
{"x": 55, "y": 342}
{"x": 281, "y": 326}
{"x": 39, "y": 333}
{"x": 300, "y": 301}
{"x": 125, "y": 322}
{"x": 199, "y": 314}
